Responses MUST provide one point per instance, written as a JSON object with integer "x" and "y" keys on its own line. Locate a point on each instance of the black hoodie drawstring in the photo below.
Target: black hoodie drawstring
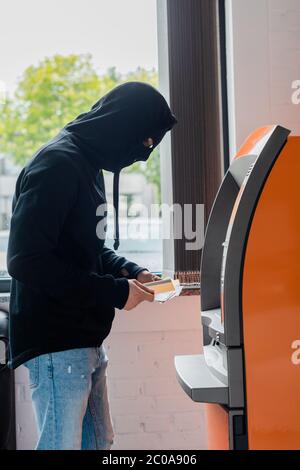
{"x": 116, "y": 209}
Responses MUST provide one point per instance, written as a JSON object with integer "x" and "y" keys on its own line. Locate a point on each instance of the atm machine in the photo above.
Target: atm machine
{"x": 249, "y": 372}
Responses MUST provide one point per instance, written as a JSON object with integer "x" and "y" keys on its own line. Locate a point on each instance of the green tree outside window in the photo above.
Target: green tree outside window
{"x": 53, "y": 93}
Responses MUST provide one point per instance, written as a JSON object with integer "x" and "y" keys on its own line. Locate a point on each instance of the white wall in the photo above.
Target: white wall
{"x": 149, "y": 409}
{"x": 263, "y": 55}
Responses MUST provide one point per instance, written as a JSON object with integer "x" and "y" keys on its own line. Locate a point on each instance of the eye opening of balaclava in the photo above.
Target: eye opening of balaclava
{"x": 113, "y": 132}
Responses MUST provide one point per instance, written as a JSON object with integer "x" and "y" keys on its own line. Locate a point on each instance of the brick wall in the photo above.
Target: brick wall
{"x": 149, "y": 409}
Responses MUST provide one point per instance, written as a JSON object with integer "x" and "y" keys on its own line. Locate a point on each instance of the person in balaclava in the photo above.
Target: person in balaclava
{"x": 66, "y": 283}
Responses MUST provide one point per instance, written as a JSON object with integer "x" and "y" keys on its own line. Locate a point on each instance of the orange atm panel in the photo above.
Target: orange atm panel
{"x": 250, "y": 301}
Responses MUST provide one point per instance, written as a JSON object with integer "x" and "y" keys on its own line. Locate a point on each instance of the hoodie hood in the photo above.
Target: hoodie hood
{"x": 116, "y": 126}
{"x": 112, "y": 133}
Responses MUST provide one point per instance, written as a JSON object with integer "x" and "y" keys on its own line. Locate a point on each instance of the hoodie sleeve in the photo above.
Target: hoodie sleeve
{"x": 113, "y": 264}
{"x": 47, "y": 194}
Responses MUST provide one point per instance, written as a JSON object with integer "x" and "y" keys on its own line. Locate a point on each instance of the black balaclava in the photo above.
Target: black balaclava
{"x": 113, "y": 131}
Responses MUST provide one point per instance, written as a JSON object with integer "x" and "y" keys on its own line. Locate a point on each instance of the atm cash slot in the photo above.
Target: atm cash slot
{"x": 213, "y": 377}
{"x": 212, "y": 320}
{"x": 198, "y": 382}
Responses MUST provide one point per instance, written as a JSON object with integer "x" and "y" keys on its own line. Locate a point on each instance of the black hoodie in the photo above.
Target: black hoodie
{"x": 65, "y": 282}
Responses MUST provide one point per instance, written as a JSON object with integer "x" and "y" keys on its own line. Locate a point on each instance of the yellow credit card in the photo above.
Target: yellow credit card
{"x": 163, "y": 285}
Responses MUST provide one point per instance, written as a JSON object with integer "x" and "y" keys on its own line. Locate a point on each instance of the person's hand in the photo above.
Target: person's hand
{"x": 138, "y": 293}
{"x": 145, "y": 276}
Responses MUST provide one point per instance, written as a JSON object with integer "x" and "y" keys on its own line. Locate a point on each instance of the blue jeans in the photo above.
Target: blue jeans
{"x": 69, "y": 394}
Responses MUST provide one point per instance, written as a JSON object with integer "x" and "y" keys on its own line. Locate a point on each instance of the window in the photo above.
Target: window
{"x": 192, "y": 72}
{"x": 59, "y": 57}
